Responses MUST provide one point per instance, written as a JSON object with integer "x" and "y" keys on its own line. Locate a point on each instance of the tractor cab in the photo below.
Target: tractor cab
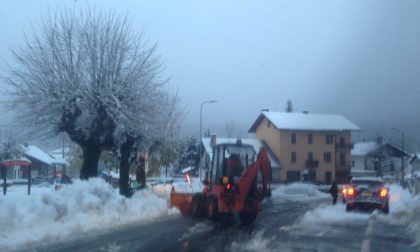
{"x": 228, "y": 163}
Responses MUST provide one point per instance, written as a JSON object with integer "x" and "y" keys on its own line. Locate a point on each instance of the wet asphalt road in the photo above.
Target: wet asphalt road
{"x": 277, "y": 228}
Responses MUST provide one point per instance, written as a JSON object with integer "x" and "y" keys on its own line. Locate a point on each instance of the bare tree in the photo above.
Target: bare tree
{"x": 160, "y": 135}
{"x": 289, "y": 107}
{"x": 90, "y": 75}
{"x": 9, "y": 147}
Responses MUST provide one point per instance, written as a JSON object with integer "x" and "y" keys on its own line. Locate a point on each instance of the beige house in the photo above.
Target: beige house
{"x": 310, "y": 147}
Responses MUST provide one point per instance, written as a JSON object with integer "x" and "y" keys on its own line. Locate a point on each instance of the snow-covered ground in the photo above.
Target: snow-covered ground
{"x": 49, "y": 215}
{"x": 298, "y": 192}
{"x": 404, "y": 211}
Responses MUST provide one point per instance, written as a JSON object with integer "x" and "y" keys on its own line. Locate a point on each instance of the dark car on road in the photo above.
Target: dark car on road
{"x": 366, "y": 194}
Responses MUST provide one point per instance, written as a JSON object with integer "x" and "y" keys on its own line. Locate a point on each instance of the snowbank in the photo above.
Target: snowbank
{"x": 48, "y": 215}
{"x": 198, "y": 228}
{"x": 258, "y": 242}
{"x": 405, "y": 210}
{"x": 298, "y": 192}
{"x": 164, "y": 190}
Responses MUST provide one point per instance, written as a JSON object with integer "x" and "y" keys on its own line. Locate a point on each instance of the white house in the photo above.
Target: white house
{"x": 358, "y": 153}
{"x": 378, "y": 159}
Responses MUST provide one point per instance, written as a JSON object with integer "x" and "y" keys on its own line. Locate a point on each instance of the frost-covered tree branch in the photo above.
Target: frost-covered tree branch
{"x": 89, "y": 74}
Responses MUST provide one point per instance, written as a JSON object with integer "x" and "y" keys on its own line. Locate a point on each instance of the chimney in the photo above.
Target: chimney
{"x": 305, "y": 112}
{"x": 265, "y": 110}
{"x": 213, "y": 140}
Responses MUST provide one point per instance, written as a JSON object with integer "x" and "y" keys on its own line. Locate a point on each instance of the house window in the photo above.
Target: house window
{"x": 293, "y": 138}
{"x": 293, "y": 157}
{"x": 310, "y": 140}
{"x": 328, "y": 138}
{"x": 352, "y": 163}
{"x": 342, "y": 141}
{"x": 342, "y": 159}
{"x": 268, "y": 124}
{"x": 327, "y": 157}
{"x": 310, "y": 156}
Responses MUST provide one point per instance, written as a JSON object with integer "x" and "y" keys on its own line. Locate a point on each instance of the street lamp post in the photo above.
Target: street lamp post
{"x": 201, "y": 126}
{"x": 402, "y": 157}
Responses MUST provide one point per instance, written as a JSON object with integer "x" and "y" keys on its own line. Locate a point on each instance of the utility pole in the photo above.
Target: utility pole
{"x": 402, "y": 156}
{"x": 201, "y": 136}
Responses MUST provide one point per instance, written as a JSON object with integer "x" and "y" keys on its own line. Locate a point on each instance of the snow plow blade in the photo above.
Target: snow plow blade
{"x": 182, "y": 201}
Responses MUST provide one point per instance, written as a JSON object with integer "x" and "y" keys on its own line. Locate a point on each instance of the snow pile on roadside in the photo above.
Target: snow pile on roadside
{"x": 198, "y": 228}
{"x": 405, "y": 210}
{"x": 164, "y": 190}
{"x": 49, "y": 215}
{"x": 195, "y": 186}
{"x": 256, "y": 243}
{"x": 330, "y": 214}
{"x": 315, "y": 222}
{"x": 298, "y": 192}
{"x": 327, "y": 214}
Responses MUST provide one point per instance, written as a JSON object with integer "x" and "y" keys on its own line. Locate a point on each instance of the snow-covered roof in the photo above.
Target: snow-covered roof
{"x": 59, "y": 152}
{"x": 187, "y": 169}
{"x": 37, "y": 153}
{"x": 392, "y": 151}
{"x": 60, "y": 161}
{"x": 305, "y": 121}
{"x": 362, "y": 148}
{"x": 414, "y": 157}
{"x": 257, "y": 144}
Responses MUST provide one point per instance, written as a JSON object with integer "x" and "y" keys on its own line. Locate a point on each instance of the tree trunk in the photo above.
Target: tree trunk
{"x": 91, "y": 154}
{"x": 125, "y": 166}
{"x": 141, "y": 174}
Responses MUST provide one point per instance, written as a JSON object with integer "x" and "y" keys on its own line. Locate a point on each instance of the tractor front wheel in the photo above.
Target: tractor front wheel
{"x": 247, "y": 217}
{"x": 211, "y": 208}
{"x": 198, "y": 205}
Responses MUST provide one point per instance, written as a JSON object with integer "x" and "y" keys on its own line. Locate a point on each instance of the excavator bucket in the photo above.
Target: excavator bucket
{"x": 181, "y": 201}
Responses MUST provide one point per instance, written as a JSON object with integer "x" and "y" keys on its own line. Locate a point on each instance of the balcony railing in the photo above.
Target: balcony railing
{"x": 312, "y": 163}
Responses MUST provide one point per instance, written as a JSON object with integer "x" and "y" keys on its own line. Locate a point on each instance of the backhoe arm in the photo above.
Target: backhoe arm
{"x": 245, "y": 181}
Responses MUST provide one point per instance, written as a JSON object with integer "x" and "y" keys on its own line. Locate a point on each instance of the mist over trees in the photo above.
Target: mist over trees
{"x": 91, "y": 75}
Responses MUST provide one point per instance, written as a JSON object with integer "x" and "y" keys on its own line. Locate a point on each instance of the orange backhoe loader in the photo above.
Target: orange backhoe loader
{"x": 237, "y": 182}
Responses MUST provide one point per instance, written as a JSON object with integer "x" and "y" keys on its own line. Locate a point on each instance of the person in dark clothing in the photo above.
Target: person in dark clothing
{"x": 334, "y": 192}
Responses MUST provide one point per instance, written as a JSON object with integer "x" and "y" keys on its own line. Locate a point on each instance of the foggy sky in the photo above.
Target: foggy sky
{"x": 357, "y": 58}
